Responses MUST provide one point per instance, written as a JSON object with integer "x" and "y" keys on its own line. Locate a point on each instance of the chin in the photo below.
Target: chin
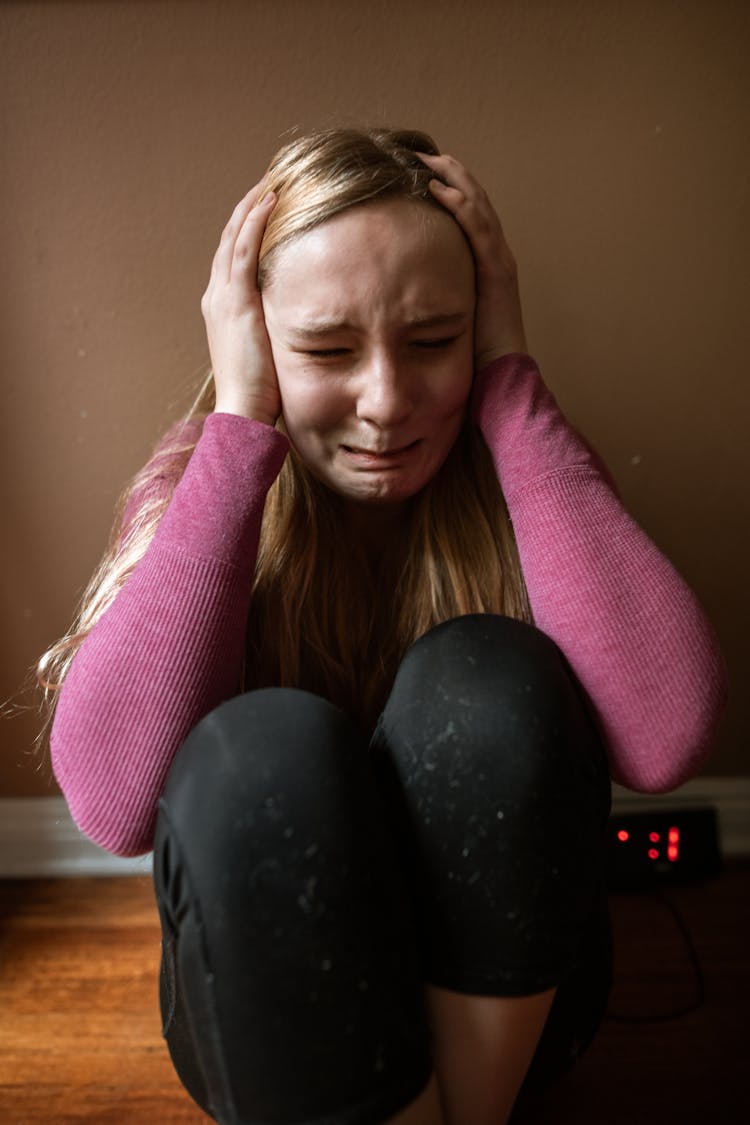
{"x": 382, "y": 494}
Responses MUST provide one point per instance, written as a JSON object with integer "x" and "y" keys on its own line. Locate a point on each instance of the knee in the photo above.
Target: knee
{"x": 270, "y": 783}
{"x": 256, "y": 776}
{"x": 495, "y": 685}
{"x": 281, "y": 894}
{"x": 500, "y": 791}
{"x": 481, "y": 657}
{"x": 271, "y": 740}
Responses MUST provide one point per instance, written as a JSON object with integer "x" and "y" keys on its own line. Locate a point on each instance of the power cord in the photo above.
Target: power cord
{"x": 699, "y": 977}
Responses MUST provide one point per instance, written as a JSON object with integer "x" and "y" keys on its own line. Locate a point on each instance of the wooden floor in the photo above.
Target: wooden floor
{"x": 80, "y": 1036}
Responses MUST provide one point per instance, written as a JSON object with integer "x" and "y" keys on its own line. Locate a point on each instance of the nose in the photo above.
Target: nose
{"x": 385, "y": 397}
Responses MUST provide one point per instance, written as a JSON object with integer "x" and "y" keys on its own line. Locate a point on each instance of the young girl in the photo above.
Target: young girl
{"x": 373, "y": 634}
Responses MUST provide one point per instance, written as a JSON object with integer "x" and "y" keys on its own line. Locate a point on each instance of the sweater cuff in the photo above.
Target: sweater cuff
{"x": 487, "y": 381}
{"x": 217, "y": 506}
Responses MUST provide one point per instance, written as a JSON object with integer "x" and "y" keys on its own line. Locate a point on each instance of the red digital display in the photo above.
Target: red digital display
{"x": 661, "y": 846}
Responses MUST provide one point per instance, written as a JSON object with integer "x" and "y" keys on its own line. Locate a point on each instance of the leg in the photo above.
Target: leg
{"x": 424, "y": 1110}
{"x": 500, "y": 794}
{"x": 482, "y": 1048}
{"x": 291, "y": 988}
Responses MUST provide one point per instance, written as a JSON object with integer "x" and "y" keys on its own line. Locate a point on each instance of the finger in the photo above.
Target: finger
{"x": 470, "y": 206}
{"x": 246, "y": 204}
{"x": 453, "y": 175}
{"x": 247, "y": 246}
{"x": 472, "y": 212}
{"x": 452, "y": 172}
{"x": 222, "y": 261}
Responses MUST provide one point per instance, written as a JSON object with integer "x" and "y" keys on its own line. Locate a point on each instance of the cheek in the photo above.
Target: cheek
{"x": 456, "y": 385}
{"x": 310, "y": 405}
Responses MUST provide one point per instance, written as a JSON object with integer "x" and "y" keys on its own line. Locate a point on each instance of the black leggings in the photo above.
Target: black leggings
{"x": 308, "y": 885}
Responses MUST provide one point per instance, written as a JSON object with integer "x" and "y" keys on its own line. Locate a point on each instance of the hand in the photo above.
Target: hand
{"x": 498, "y": 322}
{"x": 241, "y": 356}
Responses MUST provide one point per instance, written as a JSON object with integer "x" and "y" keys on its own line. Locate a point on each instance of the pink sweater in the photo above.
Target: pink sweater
{"x": 169, "y": 649}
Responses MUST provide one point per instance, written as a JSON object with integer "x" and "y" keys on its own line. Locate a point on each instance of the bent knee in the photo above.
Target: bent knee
{"x": 493, "y": 684}
{"x": 267, "y": 749}
{"x": 256, "y": 734}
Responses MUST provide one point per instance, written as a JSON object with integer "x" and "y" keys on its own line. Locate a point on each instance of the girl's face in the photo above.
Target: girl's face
{"x": 370, "y": 317}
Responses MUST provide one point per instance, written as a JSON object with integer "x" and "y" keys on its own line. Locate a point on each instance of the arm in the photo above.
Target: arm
{"x": 170, "y": 647}
{"x": 631, "y": 629}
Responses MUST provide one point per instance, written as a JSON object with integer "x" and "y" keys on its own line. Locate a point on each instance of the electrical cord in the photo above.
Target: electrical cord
{"x": 699, "y": 977}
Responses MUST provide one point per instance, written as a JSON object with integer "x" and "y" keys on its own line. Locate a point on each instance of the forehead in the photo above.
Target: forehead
{"x": 398, "y": 254}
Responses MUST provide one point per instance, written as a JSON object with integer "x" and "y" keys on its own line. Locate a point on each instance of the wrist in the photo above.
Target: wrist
{"x": 246, "y": 407}
{"x": 515, "y": 346}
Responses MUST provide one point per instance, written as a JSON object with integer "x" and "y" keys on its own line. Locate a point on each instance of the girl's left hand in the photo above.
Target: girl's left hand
{"x": 498, "y": 324}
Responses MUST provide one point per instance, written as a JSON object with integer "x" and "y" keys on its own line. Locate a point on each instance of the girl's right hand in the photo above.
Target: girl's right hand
{"x": 241, "y": 356}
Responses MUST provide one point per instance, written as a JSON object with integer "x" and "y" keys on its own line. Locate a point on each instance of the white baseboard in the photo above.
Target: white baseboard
{"x": 38, "y": 839}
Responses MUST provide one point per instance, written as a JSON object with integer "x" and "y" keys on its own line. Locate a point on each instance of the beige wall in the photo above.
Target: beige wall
{"x": 613, "y": 137}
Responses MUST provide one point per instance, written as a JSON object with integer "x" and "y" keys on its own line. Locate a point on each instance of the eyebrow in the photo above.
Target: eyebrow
{"x": 329, "y": 327}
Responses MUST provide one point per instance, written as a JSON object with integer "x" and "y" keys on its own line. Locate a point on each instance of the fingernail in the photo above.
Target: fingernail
{"x": 268, "y": 197}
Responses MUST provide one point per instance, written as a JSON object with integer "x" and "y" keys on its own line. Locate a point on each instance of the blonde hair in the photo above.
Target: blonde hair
{"x": 317, "y": 616}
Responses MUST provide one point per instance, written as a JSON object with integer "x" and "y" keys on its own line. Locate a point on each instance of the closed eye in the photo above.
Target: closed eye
{"x": 326, "y": 353}
{"x": 433, "y": 343}
{"x": 440, "y": 342}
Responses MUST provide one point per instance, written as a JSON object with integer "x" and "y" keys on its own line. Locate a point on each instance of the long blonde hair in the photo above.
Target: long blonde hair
{"x": 322, "y": 617}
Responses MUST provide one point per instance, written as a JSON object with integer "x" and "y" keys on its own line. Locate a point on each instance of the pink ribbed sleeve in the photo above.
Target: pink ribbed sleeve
{"x": 631, "y": 629}
{"x": 169, "y": 649}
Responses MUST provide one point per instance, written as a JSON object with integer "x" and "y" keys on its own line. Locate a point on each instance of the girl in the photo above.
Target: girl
{"x": 372, "y": 635}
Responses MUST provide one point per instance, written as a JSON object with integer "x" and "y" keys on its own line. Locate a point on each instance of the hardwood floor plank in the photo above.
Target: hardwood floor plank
{"x": 80, "y": 1034}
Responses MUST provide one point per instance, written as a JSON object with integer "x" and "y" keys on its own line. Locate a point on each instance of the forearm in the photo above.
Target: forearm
{"x": 630, "y": 627}
{"x": 170, "y": 647}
